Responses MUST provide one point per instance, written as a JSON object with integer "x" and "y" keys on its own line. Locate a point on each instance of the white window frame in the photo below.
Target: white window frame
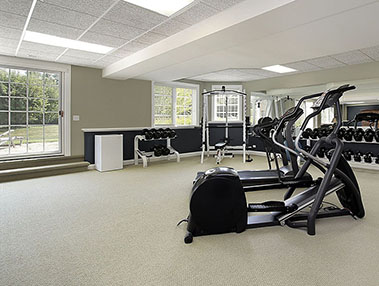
{"x": 174, "y": 86}
{"x": 66, "y": 98}
{"x": 214, "y": 105}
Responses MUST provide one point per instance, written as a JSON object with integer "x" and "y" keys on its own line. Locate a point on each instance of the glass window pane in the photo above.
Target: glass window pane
{"x": 35, "y": 139}
{"x": 18, "y": 76}
{"x": 52, "y": 138}
{"x": 36, "y": 104}
{"x": 4, "y": 74}
{"x": 51, "y": 118}
{"x": 36, "y": 91}
{"x": 4, "y": 140}
{"x": 35, "y": 78}
{"x": 35, "y": 118}
{"x": 18, "y": 140}
{"x": 18, "y": 104}
{"x": 52, "y": 78}
{"x": 4, "y": 103}
{"x": 3, "y": 89}
{"x": 4, "y": 118}
{"x": 52, "y": 105}
{"x": 19, "y": 90}
{"x": 162, "y": 120}
{"x": 52, "y": 92}
{"x": 18, "y": 118}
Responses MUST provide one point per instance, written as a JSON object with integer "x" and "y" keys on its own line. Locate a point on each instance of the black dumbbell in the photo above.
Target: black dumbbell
{"x": 163, "y": 133}
{"x": 314, "y": 133}
{"x": 307, "y": 133}
{"x": 358, "y": 134}
{"x": 369, "y": 135}
{"x": 172, "y": 133}
{"x": 368, "y": 157}
{"x": 377, "y": 135}
{"x": 349, "y": 134}
{"x": 358, "y": 156}
{"x": 157, "y": 150}
{"x": 341, "y": 132}
{"x": 377, "y": 159}
{"x": 157, "y": 134}
{"x": 329, "y": 153}
{"x": 321, "y": 152}
{"x": 148, "y": 134}
{"x": 348, "y": 154}
{"x": 165, "y": 151}
{"x": 307, "y": 148}
{"x": 322, "y": 132}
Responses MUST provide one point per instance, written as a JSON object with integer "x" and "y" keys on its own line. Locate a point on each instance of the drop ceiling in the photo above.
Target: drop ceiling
{"x": 209, "y": 40}
{"x": 126, "y": 27}
{"x": 339, "y": 60}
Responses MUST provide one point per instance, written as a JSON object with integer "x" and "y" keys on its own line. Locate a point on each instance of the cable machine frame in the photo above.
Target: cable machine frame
{"x": 206, "y": 148}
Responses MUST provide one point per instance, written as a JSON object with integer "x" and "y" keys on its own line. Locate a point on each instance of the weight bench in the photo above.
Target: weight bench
{"x": 221, "y": 151}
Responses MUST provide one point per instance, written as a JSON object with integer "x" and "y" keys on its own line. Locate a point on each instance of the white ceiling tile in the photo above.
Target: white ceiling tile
{"x": 83, "y": 55}
{"x": 7, "y": 51}
{"x": 39, "y": 26}
{"x": 76, "y": 61}
{"x": 19, "y": 7}
{"x": 372, "y": 52}
{"x": 10, "y": 20}
{"x": 101, "y": 39}
{"x": 122, "y": 53}
{"x": 170, "y": 27}
{"x": 41, "y": 48}
{"x": 9, "y": 33}
{"x": 134, "y": 46}
{"x": 221, "y": 4}
{"x": 302, "y": 66}
{"x": 95, "y": 8}
{"x": 62, "y": 16}
{"x": 196, "y": 14}
{"x": 134, "y": 16}
{"x": 8, "y": 43}
{"x": 353, "y": 57}
{"x": 326, "y": 62}
{"x": 262, "y": 73}
{"x": 150, "y": 38}
{"x": 108, "y": 60}
{"x": 32, "y": 54}
{"x": 117, "y": 30}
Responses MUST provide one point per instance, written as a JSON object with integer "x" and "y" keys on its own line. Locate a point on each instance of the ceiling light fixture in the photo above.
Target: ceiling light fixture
{"x": 164, "y": 7}
{"x": 279, "y": 69}
{"x": 65, "y": 43}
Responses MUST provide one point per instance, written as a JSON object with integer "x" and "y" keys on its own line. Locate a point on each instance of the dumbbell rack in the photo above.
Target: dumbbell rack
{"x": 146, "y": 155}
{"x": 352, "y": 163}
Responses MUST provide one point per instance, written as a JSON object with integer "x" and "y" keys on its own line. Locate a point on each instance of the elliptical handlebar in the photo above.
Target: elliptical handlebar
{"x": 325, "y": 101}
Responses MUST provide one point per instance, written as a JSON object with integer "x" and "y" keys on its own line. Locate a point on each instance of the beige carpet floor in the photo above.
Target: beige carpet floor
{"x": 119, "y": 228}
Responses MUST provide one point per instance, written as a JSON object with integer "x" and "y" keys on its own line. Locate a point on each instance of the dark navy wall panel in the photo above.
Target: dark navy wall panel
{"x": 188, "y": 140}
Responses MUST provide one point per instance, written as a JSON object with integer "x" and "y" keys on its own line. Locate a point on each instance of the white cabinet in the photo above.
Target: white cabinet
{"x": 108, "y": 152}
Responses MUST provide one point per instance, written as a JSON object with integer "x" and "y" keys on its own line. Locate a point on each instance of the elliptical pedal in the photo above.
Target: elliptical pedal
{"x": 271, "y": 206}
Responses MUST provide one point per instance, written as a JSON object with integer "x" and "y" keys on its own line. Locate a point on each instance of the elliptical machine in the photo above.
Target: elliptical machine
{"x": 218, "y": 203}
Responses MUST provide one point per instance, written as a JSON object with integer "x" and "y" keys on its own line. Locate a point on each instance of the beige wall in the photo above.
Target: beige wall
{"x": 104, "y": 102}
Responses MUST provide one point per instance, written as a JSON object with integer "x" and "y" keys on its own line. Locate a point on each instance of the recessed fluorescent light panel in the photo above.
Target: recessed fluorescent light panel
{"x": 164, "y": 7}
{"x": 279, "y": 69}
{"x": 65, "y": 43}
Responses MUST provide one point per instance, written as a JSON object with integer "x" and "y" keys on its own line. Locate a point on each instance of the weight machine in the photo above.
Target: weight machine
{"x": 221, "y": 148}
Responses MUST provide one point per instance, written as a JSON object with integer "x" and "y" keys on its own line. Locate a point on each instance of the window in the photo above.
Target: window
{"x": 327, "y": 116}
{"x": 234, "y": 104}
{"x": 175, "y": 104}
{"x": 307, "y": 108}
{"x": 29, "y": 112}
